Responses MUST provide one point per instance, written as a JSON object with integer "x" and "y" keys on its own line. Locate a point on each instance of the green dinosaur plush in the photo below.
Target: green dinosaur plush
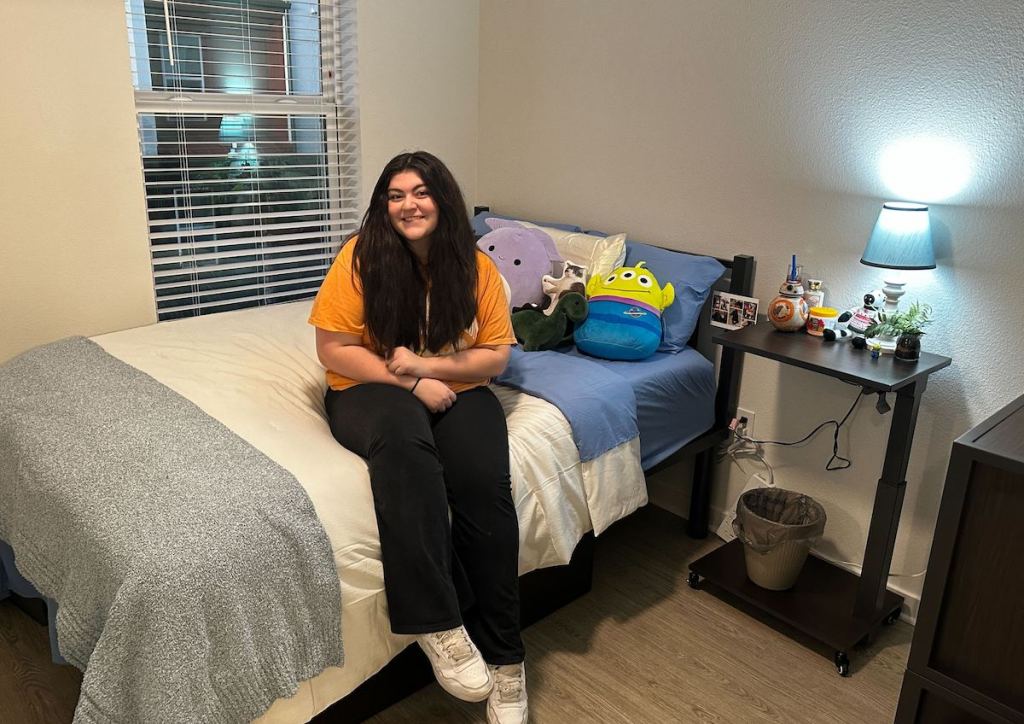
{"x": 536, "y": 330}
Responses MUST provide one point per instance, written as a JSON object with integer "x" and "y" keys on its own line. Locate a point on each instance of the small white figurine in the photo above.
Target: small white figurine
{"x": 854, "y": 323}
{"x": 864, "y": 317}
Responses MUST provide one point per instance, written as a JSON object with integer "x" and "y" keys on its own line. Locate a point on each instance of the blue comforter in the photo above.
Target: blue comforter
{"x": 668, "y": 399}
{"x": 599, "y": 404}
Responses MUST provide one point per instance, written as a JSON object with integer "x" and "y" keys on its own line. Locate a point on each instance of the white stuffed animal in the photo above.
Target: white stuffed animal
{"x": 855, "y": 322}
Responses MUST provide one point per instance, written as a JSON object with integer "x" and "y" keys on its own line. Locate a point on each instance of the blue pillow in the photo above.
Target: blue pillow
{"x": 480, "y": 226}
{"x": 691, "y": 275}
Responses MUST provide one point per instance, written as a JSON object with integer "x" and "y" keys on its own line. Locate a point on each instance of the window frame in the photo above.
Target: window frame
{"x": 336, "y": 104}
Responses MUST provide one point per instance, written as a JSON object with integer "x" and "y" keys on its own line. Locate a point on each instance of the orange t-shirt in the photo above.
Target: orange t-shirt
{"x": 338, "y": 307}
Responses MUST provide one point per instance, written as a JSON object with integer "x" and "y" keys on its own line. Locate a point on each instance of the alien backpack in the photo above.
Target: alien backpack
{"x": 624, "y": 319}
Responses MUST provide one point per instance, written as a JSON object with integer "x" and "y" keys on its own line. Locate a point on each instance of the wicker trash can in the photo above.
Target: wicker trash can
{"x": 777, "y": 528}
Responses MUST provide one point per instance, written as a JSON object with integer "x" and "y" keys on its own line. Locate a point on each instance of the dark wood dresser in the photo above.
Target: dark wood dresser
{"x": 967, "y": 657}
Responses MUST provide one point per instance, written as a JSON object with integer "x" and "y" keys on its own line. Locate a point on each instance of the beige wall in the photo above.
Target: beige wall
{"x": 736, "y": 126}
{"x": 73, "y": 252}
{"x": 418, "y": 84}
{"x": 74, "y": 255}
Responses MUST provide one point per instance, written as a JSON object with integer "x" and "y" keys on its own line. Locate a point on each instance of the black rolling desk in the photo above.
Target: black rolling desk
{"x": 828, "y": 603}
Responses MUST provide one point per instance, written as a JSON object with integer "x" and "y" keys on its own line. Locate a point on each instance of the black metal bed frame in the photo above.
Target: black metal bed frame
{"x": 737, "y": 279}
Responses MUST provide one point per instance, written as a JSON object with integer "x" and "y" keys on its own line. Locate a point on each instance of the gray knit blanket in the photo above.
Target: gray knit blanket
{"x": 194, "y": 580}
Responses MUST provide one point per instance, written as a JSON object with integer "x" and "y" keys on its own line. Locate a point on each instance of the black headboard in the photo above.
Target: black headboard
{"x": 737, "y": 279}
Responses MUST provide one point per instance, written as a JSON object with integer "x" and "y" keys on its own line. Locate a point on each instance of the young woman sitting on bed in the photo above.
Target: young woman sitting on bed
{"x": 411, "y": 323}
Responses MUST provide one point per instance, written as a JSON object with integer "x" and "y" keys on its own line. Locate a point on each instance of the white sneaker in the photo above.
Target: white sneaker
{"x": 507, "y": 703}
{"x": 458, "y": 666}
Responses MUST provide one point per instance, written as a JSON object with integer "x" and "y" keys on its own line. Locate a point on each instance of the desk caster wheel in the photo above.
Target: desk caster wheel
{"x": 842, "y": 663}
{"x": 693, "y": 580}
{"x": 892, "y": 618}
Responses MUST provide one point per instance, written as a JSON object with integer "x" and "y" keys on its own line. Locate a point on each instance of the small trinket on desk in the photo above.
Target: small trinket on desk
{"x": 820, "y": 319}
{"x": 814, "y": 295}
{"x": 788, "y": 311}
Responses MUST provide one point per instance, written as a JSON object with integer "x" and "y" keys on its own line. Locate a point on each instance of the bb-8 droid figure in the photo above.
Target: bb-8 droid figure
{"x": 788, "y": 311}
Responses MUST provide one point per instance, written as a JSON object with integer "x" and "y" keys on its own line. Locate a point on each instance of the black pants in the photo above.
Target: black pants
{"x": 439, "y": 575}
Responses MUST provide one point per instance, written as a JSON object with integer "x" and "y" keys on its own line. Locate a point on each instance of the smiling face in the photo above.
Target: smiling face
{"x": 411, "y": 208}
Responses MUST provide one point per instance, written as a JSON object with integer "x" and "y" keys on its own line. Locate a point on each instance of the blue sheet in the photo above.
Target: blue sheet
{"x": 668, "y": 399}
{"x": 675, "y": 396}
{"x": 600, "y": 407}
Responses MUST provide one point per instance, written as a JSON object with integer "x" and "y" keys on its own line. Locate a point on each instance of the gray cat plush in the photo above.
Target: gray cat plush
{"x": 572, "y": 279}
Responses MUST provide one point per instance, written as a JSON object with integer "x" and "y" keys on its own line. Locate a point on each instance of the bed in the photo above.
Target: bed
{"x": 255, "y": 371}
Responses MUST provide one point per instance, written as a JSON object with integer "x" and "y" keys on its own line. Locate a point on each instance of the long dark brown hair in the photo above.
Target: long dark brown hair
{"x": 395, "y": 287}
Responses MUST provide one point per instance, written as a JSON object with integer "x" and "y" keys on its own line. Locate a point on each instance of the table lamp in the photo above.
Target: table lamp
{"x": 901, "y": 239}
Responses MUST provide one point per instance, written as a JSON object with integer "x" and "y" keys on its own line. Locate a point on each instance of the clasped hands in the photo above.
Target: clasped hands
{"x": 434, "y": 394}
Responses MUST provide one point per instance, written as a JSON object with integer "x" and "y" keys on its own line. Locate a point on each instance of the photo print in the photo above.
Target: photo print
{"x": 732, "y": 311}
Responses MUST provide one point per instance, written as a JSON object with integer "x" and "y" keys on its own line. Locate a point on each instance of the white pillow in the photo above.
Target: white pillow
{"x": 599, "y": 254}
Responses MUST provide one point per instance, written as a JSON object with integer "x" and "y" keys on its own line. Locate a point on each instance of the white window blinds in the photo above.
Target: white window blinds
{"x": 247, "y": 122}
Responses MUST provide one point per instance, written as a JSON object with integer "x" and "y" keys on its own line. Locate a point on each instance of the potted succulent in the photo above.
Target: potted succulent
{"x": 907, "y": 327}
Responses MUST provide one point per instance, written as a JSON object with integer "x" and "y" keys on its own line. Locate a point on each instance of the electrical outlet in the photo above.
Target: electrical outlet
{"x": 741, "y": 413}
{"x": 724, "y": 530}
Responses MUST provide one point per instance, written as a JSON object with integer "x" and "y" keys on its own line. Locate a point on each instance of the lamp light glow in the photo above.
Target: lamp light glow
{"x": 925, "y": 168}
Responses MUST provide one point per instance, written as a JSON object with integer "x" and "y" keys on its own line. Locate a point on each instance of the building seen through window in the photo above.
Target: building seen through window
{"x": 249, "y": 154}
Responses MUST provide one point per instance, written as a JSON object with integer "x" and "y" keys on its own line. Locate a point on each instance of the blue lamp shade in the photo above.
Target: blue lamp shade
{"x": 901, "y": 239}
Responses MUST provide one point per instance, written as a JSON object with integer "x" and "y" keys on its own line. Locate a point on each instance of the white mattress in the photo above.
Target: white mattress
{"x": 256, "y": 371}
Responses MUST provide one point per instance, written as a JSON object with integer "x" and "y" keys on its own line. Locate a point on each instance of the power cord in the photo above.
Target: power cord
{"x": 743, "y": 445}
{"x": 836, "y": 462}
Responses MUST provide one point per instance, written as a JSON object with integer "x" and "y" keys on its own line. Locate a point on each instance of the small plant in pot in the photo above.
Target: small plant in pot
{"x": 907, "y": 327}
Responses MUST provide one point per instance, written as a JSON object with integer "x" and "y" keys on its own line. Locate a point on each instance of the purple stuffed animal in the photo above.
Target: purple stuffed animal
{"x": 523, "y": 255}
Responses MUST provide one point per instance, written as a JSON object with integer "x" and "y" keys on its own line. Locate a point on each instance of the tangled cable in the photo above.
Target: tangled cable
{"x": 743, "y": 445}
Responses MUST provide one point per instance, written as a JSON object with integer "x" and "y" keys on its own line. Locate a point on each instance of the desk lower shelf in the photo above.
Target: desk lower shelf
{"x": 820, "y": 604}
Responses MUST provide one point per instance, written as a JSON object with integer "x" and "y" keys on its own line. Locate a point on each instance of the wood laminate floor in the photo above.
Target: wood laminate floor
{"x": 641, "y": 647}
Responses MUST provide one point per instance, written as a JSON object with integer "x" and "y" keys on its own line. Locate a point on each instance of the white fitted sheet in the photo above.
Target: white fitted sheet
{"x": 257, "y": 372}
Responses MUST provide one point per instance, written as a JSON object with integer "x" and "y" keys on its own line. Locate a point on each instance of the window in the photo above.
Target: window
{"x": 247, "y": 123}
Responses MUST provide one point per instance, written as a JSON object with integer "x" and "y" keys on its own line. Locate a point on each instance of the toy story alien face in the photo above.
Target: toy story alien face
{"x": 635, "y": 283}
